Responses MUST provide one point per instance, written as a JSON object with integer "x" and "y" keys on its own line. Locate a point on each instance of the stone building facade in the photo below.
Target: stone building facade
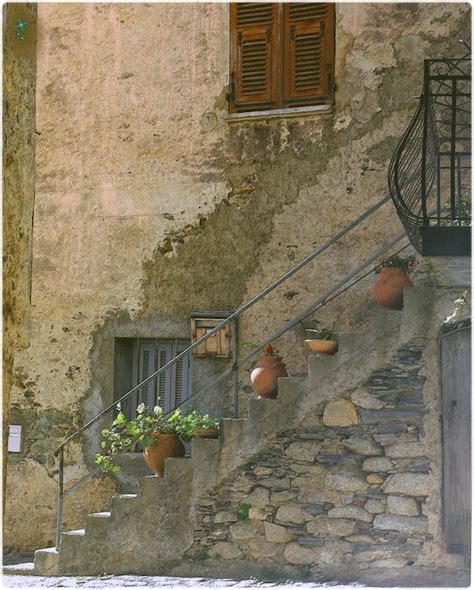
{"x": 153, "y": 201}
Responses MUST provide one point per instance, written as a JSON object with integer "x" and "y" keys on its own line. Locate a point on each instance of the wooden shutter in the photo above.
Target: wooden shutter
{"x": 173, "y": 384}
{"x": 165, "y": 354}
{"x": 147, "y": 366}
{"x": 183, "y": 374}
{"x": 254, "y": 55}
{"x": 308, "y": 40}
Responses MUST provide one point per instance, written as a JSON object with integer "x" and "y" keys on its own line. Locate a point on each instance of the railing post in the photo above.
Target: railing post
{"x": 427, "y": 106}
{"x": 60, "y": 499}
{"x": 235, "y": 369}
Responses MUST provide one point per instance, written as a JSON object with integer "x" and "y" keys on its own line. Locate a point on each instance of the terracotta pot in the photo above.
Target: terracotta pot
{"x": 167, "y": 445}
{"x": 323, "y": 346}
{"x": 388, "y": 288}
{"x": 264, "y": 377}
{"x": 207, "y": 432}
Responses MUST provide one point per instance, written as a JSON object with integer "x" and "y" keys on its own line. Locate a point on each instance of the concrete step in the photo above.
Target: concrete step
{"x": 46, "y": 562}
{"x": 97, "y": 523}
{"x": 19, "y": 569}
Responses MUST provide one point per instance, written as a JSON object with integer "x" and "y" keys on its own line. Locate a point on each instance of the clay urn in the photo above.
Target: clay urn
{"x": 268, "y": 368}
{"x": 388, "y": 288}
{"x": 324, "y": 347}
{"x": 167, "y": 445}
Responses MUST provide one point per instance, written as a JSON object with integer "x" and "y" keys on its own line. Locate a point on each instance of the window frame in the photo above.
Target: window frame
{"x": 134, "y": 357}
{"x": 280, "y": 42}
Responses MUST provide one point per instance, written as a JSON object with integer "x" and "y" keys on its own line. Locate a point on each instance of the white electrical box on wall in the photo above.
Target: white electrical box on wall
{"x": 14, "y": 439}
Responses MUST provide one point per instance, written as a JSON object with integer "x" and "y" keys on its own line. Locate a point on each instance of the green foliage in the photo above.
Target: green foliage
{"x": 322, "y": 334}
{"x": 462, "y": 213}
{"x": 127, "y": 435}
{"x": 191, "y": 422}
{"x": 398, "y": 262}
{"x": 242, "y": 512}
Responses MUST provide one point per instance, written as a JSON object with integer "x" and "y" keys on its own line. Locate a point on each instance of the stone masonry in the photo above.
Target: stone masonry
{"x": 351, "y": 488}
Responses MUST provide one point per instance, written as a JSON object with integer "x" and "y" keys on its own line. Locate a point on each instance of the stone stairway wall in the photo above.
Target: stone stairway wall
{"x": 349, "y": 486}
{"x": 335, "y": 471}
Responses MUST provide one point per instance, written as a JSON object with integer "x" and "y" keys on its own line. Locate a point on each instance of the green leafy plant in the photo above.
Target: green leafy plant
{"x": 127, "y": 434}
{"x": 398, "y": 262}
{"x": 192, "y": 421}
{"x": 462, "y": 213}
{"x": 242, "y": 512}
{"x": 322, "y": 334}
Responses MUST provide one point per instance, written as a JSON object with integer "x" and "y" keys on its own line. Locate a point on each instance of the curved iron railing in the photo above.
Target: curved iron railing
{"x": 430, "y": 169}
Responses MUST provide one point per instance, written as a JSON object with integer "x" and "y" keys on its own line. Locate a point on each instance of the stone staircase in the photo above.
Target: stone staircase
{"x": 182, "y": 517}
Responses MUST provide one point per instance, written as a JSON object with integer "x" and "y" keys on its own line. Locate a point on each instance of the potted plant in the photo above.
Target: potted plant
{"x": 322, "y": 341}
{"x": 392, "y": 279}
{"x": 268, "y": 368}
{"x": 197, "y": 424}
{"x": 157, "y": 434}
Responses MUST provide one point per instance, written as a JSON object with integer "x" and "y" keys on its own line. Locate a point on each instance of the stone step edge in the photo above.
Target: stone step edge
{"x": 19, "y": 569}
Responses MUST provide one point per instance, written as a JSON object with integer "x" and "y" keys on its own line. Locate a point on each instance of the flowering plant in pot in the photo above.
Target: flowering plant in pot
{"x": 392, "y": 280}
{"x": 197, "y": 424}
{"x": 155, "y": 432}
{"x": 323, "y": 341}
{"x": 268, "y": 368}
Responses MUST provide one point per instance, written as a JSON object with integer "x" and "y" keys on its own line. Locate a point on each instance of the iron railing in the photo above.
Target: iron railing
{"x": 431, "y": 167}
{"x": 348, "y": 281}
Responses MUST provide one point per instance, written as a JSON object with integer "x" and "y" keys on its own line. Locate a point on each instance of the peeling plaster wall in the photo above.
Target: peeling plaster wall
{"x": 19, "y": 73}
{"x": 151, "y": 204}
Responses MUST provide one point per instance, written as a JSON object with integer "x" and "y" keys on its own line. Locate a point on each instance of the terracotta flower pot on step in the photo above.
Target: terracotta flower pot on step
{"x": 324, "y": 347}
{"x": 167, "y": 445}
{"x": 264, "y": 377}
{"x": 207, "y": 433}
{"x": 388, "y": 288}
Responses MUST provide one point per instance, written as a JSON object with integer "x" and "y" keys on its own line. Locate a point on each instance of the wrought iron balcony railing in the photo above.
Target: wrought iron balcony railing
{"x": 430, "y": 171}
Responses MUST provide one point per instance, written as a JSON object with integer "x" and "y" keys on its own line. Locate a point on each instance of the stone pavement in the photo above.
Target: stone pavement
{"x": 21, "y": 581}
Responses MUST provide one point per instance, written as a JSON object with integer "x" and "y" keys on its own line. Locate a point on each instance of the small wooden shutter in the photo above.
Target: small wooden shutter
{"x": 254, "y": 55}
{"x": 308, "y": 39}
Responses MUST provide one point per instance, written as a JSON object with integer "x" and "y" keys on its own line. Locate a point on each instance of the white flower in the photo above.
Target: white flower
{"x": 140, "y": 408}
{"x": 157, "y": 410}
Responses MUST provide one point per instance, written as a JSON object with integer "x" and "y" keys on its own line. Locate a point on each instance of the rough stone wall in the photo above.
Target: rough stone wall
{"x": 19, "y": 77}
{"x": 150, "y": 203}
{"x": 351, "y": 488}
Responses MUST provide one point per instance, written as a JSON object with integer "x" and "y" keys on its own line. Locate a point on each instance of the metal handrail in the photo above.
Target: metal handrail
{"x": 236, "y": 314}
{"x": 236, "y": 363}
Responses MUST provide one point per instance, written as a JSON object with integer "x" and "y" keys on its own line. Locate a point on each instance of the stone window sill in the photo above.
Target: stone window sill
{"x": 296, "y": 112}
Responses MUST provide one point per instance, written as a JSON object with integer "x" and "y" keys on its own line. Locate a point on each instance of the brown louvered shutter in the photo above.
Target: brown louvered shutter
{"x": 254, "y": 56}
{"x": 308, "y": 39}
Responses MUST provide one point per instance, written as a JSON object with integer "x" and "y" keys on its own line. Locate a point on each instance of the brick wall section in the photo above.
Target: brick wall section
{"x": 353, "y": 491}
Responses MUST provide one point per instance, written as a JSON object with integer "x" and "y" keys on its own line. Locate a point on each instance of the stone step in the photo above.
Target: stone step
{"x": 97, "y": 523}
{"x": 123, "y": 504}
{"x": 46, "y": 561}
{"x": 177, "y": 468}
{"x": 417, "y": 312}
{"x": 19, "y": 569}
{"x": 322, "y": 367}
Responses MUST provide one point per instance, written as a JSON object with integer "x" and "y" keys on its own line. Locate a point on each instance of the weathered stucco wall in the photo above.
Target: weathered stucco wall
{"x": 150, "y": 203}
{"x": 19, "y": 75}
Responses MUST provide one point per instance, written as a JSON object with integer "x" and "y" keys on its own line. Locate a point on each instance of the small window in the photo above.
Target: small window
{"x": 282, "y": 55}
{"x": 138, "y": 358}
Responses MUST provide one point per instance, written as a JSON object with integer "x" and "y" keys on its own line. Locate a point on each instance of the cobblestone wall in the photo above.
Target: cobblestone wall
{"x": 350, "y": 486}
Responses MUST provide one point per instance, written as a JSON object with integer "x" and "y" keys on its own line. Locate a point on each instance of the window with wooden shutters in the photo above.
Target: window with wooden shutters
{"x": 282, "y": 55}
{"x": 137, "y": 358}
